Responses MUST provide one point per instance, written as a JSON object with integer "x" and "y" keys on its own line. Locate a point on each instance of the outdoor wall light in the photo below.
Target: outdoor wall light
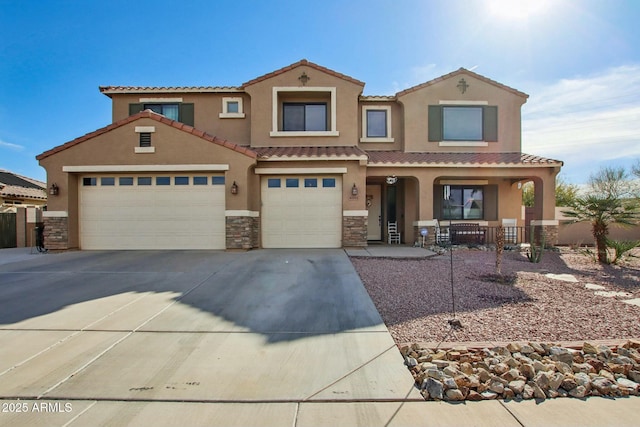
{"x": 354, "y": 190}
{"x": 54, "y": 190}
{"x": 234, "y": 188}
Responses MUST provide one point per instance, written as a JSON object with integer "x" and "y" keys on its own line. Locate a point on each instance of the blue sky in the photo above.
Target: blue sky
{"x": 579, "y": 60}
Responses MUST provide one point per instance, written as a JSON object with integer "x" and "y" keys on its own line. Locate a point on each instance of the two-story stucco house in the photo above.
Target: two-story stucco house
{"x": 295, "y": 158}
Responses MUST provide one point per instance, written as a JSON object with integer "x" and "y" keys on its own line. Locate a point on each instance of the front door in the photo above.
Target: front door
{"x": 374, "y": 206}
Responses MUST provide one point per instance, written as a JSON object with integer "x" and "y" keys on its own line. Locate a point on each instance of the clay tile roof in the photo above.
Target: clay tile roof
{"x": 148, "y": 114}
{"x": 14, "y": 185}
{"x": 297, "y": 64}
{"x": 462, "y": 159}
{"x": 310, "y": 153}
{"x": 457, "y": 72}
{"x": 110, "y": 90}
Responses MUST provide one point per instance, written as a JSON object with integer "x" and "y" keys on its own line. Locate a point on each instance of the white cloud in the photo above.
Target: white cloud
{"x": 11, "y": 146}
{"x": 586, "y": 121}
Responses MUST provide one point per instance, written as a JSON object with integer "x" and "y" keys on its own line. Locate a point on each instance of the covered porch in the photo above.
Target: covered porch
{"x": 435, "y": 191}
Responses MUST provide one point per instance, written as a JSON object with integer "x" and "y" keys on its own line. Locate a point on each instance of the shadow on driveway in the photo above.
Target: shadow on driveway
{"x": 282, "y": 294}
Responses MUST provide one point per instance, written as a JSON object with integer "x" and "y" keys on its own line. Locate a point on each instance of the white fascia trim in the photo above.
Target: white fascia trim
{"x": 461, "y": 102}
{"x": 55, "y": 214}
{"x": 280, "y": 133}
{"x": 252, "y": 214}
{"x": 355, "y": 213}
{"x": 146, "y": 168}
{"x": 463, "y": 144}
{"x": 366, "y": 108}
{"x": 275, "y": 109}
{"x": 545, "y": 222}
{"x": 160, "y": 100}
{"x": 145, "y": 129}
{"x": 144, "y": 150}
{"x": 299, "y": 171}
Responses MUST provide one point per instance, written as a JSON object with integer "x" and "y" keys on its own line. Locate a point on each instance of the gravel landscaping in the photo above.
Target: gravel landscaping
{"x": 414, "y": 297}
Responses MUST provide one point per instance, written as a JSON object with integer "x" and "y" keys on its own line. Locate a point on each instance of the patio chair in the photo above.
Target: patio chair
{"x": 393, "y": 234}
{"x": 442, "y": 235}
{"x": 510, "y": 230}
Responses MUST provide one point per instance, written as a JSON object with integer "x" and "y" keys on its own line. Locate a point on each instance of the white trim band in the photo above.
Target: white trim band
{"x": 463, "y": 144}
{"x": 55, "y": 214}
{"x": 252, "y": 214}
{"x": 146, "y": 168}
{"x": 355, "y": 213}
{"x": 299, "y": 171}
{"x": 545, "y": 222}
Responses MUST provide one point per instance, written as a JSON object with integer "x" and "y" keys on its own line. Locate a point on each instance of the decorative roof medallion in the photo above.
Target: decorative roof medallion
{"x": 304, "y": 78}
{"x": 462, "y": 85}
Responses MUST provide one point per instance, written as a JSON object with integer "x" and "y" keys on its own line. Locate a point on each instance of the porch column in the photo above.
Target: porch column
{"x": 545, "y": 203}
{"x": 425, "y": 211}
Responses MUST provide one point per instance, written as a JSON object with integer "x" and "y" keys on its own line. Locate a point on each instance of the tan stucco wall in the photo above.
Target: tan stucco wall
{"x": 397, "y": 127}
{"x": 116, "y": 147}
{"x": 347, "y": 111}
{"x": 416, "y": 107}
{"x": 207, "y": 109}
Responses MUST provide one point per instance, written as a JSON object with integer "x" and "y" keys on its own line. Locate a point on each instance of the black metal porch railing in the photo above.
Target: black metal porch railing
{"x": 459, "y": 234}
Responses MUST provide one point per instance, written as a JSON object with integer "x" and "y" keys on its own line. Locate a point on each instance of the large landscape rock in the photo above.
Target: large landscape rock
{"x": 525, "y": 371}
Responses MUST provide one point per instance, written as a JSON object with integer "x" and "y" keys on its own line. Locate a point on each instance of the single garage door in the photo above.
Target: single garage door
{"x": 182, "y": 211}
{"x": 302, "y": 212}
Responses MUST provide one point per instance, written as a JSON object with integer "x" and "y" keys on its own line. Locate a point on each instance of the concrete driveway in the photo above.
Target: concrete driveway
{"x": 190, "y": 338}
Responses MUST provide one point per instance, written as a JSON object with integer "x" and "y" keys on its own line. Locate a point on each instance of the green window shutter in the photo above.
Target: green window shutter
{"x": 435, "y": 123}
{"x": 135, "y": 109}
{"x": 186, "y": 114}
{"x": 490, "y": 124}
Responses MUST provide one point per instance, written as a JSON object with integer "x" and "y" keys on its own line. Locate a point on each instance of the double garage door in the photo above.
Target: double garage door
{"x": 178, "y": 211}
{"x": 301, "y": 211}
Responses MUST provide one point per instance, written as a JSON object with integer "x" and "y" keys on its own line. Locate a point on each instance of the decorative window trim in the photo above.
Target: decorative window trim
{"x": 459, "y": 102}
{"x": 275, "y": 112}
{"x": 144, "y": 150}
{"x": 160, "y": 100}
{"x": 463, "y": 144}
{"x": 365, "y": 138}
{"x": 225, "y": 108}
{"x": 145, "y": 129}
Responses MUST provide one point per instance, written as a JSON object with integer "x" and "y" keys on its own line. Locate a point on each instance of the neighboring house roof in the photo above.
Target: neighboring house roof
{"x": 148, "y": 114}
{"x": 18, "y": 186}
{"x": 297, "y": 64}
{"x": 395, "y": 158}
{"x": 456, "y": 73}
{"x": 376, "y": 98}
{"x": 110, "y": 90}
{"x": 310, "y": 153}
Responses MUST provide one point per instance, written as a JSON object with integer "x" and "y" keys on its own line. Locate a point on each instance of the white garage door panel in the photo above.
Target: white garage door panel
{"x": 301, "y": 217}
{"x": 152, "y": 217}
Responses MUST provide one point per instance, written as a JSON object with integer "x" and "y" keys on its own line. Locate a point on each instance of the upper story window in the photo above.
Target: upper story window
{"x": 463, "y": 125}
{"x": 170, "y": 111}
{"x": 304, "y": 117}
{"x": 376, "y": 124}
{"x": 171, "y": 108}
{"x": 232, "y": 108}
{"x": 304, "y": 111}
